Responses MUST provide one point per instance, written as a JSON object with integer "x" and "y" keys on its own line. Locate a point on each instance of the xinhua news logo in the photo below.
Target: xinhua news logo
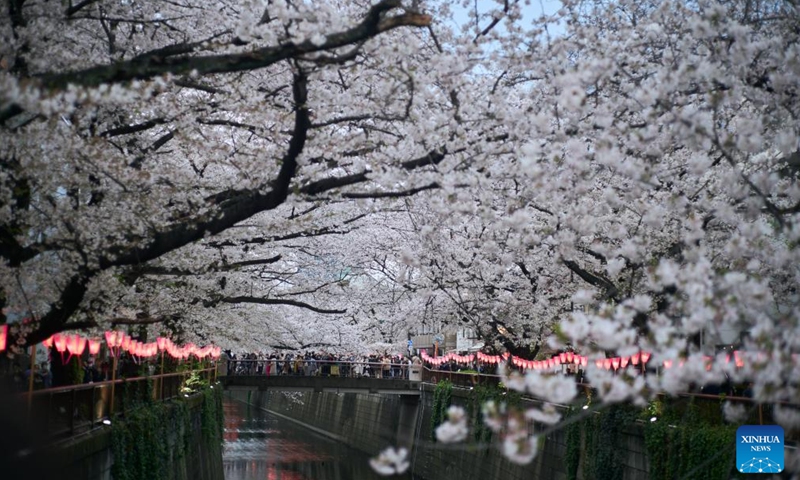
{"x": 759, "y": 449}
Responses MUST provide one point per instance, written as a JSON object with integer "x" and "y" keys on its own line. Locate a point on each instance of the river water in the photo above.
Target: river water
{"x": 259, "y": 445}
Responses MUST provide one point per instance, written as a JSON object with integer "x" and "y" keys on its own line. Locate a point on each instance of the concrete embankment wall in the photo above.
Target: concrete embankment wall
{"x": 90, "y": 456}
{"x": 371, "y": 422}
{"x": 367, "y": 422}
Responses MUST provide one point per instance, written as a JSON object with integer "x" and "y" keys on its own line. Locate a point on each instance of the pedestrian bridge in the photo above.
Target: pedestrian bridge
{"x": 299, "y": 383}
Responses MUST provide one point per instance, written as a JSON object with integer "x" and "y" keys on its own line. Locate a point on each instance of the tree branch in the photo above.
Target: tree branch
{"x": 595, "y": 279}
{"x": 164, "y": 61}
{"x": 279, "y": 301}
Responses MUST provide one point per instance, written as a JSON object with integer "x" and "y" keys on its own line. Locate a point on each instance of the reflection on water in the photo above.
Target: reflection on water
{"x": 259, "y": 445}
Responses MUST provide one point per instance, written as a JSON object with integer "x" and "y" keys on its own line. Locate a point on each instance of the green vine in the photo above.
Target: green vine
{"x": 441, "y": 402}
{"x": 212, "y": 418}
{"x": 687, "y": 441}
{"x": 596, "y": 441}
{"x": 152, "y": 437}
{"x": 479, "y": 396}
{"x": 573, "y": 447}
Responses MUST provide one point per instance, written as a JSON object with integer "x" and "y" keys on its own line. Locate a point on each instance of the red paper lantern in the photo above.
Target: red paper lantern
{"x": 607, "y": 364}
{"x": 94, "y": 346}
{"x": 667, "y": 364}
{"x": 635, "y": 358}
{"x": 111, "y": 338}
{"x": 48, "y": 342}
{"x": 570, "y": 357}
{"x": 615, "y": 362}
{"x": 76, "y": 344}
{"x": 598, "y": 363}
{"x": 60, "y": 343}
{"x": 162, "y": 343}
{"x": 624, "y": 362}
{"x": 645, "y": 357}
{"x": 739, "y": 360}
{"x": 584, "y": 361}
{"x": 562, "y": 357}
{"x": 3, "y": 336}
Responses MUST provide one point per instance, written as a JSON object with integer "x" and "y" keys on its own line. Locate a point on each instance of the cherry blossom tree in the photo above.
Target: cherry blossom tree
{"x": 245, "y": 168}
{"x": 157, "y": 135}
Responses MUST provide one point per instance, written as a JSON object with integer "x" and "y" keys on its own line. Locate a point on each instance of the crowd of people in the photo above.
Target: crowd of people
{"x": 320, "y": 364}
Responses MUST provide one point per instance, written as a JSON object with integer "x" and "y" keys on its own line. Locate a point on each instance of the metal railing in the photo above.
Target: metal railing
{"x": 757, "y": 413}
{"x": 317, "y": 368}
{"x": 65, "y": 411}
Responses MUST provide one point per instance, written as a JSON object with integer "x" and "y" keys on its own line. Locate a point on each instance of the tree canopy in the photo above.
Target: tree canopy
{"x": 306, "y": 173}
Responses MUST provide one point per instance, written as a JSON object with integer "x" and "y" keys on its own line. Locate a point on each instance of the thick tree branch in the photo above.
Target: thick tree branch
{"x": 138, "y": 271}
{"x": 279, "y": 301}
{"x": 403, "y": 193}
{"x": 610, "y": 290}
{"x": 232, "y": 211}
{"x": 175, "y": 60}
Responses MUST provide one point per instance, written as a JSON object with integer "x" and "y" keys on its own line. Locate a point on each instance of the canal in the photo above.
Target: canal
{"x": 259, "y": 445}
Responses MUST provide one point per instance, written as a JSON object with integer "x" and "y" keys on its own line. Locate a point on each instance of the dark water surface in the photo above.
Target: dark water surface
{"x": 259, "y": 445}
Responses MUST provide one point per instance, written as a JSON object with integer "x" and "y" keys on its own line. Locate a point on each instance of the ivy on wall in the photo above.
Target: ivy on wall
{"x": 441, "y": 402}
{"x": 573, "y": 456}
{"x": 479, "y": 396}
{"x": 154, "y": 437}
{"x": 213, "y": 420}
{"x": 685, "y": 441}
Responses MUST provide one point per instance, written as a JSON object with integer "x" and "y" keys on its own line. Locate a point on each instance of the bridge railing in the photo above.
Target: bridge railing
{"x": 460, "y": 379}
{"x": 757, "y": 413}
{"x": 315, "y": 368}
{"x": 65, "y": 411}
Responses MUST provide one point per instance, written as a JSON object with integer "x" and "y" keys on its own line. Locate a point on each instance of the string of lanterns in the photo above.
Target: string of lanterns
{"x": 120, "y": 341}
{"x": 572, "y": 358}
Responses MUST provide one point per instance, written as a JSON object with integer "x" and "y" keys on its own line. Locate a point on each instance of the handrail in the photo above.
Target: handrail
{"x": 86, "y": 386}
{"x": 63, "y": 411}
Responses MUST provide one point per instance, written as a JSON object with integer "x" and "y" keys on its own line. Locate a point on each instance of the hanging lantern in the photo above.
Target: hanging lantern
{"x": 76, "y": 345}
{"x": 60, "y": 342}
{"x": 738, "y": 359}
{"x": 162, "y": 343}
{"x": 598, "y": 363}
{"x": 111, "y": 338}
{"x": 48, "y": 342}
{"x": 584, "y": 361}
{"x": 624, "y": 362}
{"x": 635, "y": 358}
{"x": 645, "y": 357}
{"x": 94, "y": 346}
{"x": 615, "y": 362}
{"x": 562, "y": 358}
{"x": 570, "y": 357}
{"x": 667, "y": 364}
{"x": 125, "y": 344}
{"x": 607, "y": 364}
{"x": 3, "y": 336}
{"x": 556, "y": 360}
